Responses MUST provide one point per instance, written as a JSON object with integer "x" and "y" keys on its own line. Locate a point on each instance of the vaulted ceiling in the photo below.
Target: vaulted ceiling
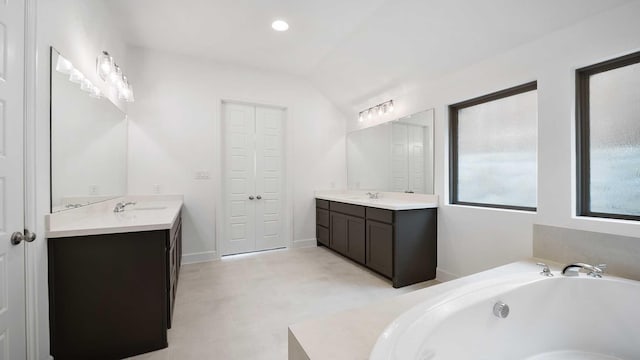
{"x": 350, "y": 49}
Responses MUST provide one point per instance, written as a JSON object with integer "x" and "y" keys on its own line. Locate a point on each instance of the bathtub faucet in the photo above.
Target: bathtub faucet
{"x": 574, "y": 269}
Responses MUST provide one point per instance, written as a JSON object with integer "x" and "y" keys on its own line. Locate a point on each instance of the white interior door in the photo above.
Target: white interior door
{"x": 254, "y": 178}
{"x": 239, "y": 129}
{"x": 12, "y": 277}
{"x": 269, "y": 178}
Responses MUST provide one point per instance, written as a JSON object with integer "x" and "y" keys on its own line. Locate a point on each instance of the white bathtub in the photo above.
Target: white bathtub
{"x": 552, "y": 318}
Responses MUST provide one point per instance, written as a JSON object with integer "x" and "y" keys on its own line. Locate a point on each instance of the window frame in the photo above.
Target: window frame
{"x": 453, "y": 143}
{"x": 583, "y": 155}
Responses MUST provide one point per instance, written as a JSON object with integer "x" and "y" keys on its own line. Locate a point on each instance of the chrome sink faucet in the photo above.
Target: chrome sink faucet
{"x": 121, "y": 205}
{"x": 574, "y": 269}
{"x": 373, "y": 195}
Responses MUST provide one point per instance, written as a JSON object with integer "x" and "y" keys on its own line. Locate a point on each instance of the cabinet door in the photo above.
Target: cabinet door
{"x": 322, "y": 235}
{"x": 380, "y": 247}
{"x": 356, "y": 239}
{"x": 338, "y": 228}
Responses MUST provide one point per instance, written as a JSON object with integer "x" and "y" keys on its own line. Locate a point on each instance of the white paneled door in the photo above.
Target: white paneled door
{"x": 254, "y": 178}
{"x": 12, "y": 280}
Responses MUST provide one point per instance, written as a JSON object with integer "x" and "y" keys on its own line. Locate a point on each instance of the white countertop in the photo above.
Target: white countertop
{"x": 149, "y": 213}
{"x": 351, "y": 334}
{"x": 386, "y": 200}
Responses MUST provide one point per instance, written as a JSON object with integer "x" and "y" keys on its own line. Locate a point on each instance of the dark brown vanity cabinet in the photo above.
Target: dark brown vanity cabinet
{"x": 112, "y": 296}
{"x": 400, "y": 244}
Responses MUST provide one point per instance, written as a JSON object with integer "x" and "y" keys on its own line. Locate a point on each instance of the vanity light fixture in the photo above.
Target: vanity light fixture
{"x": 111, "y": 73}
{"x": 380, "y": 109}
{"x": 105, "y": 65}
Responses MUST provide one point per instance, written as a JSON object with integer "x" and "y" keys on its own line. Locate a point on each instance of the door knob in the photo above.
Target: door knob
{"x": 250, "y": 197}
{"x": 259, "y": 197}
{"x": 17, "y": 237}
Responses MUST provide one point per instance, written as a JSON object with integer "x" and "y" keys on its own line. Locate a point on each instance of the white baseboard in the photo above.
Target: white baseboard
{"x": 444, "y": 276}
{"x": 199, "y": 257}
{"x": 304, "y": 243}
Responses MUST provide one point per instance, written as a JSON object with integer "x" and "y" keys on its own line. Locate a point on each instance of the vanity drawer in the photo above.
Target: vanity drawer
{"x": 349, "y": 209}
{"x": 382, "y": 215}
{"x": 322, "y": 204}
{"x": 322, "y": 217}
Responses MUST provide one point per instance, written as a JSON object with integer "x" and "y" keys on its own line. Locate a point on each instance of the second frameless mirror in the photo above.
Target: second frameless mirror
{"x": 395, "y": 156}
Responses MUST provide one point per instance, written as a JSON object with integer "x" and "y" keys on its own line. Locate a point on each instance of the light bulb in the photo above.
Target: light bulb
{"x": 75, "y": 76}
{"x": 126, "y": 94}
{"x": 104, "y": 65}
{"x": 369, "y": 114}
{"x": 391, "y": 106}
{"x": 115, "y": 75}
{"x": 380, "y": 111}
{"x": 63, "y": 65}
{"x": 361, "y": 117}
{"x": 130, "y": 97}
{"x": 122, "y": 83}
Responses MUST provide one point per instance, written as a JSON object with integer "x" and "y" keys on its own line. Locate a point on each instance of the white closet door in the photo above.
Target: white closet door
{"x": 399, "y": 157}
{"x": 12, "y": 280}
{"x": 269, "y": 178}
{"x": 416, "y": 136}
{"x": 239, "y": 130}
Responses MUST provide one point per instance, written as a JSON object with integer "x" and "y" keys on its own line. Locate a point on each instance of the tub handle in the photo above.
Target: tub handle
{"x": 545, "y": 269}
{"x": 598, "y": 271}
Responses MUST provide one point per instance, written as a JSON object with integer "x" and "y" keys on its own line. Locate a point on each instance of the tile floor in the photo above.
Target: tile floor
{"x": 240, "y": 307}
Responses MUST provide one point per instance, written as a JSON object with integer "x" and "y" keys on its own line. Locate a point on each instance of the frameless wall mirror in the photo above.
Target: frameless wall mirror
{"x": 88, "y": 140}
{"x": 394, "y": 156}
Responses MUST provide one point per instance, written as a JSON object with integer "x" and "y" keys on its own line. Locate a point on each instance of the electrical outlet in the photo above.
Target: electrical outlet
{"x": 93, "y": 189}
{"x": 156, "y": 188}
{"x": 202, "y": 175}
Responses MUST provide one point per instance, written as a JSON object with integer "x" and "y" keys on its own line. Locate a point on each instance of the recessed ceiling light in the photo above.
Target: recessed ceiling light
{"x": 280, "y": 25}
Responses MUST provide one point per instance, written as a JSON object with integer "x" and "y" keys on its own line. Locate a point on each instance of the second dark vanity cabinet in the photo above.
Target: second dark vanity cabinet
{"x": 398, "y": 244}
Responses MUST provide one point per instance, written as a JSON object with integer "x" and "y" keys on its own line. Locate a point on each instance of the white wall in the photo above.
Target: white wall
{"x": 79, "y": 29}
{"x": 472, "y": 239}
{"x": 174, "y": 131}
